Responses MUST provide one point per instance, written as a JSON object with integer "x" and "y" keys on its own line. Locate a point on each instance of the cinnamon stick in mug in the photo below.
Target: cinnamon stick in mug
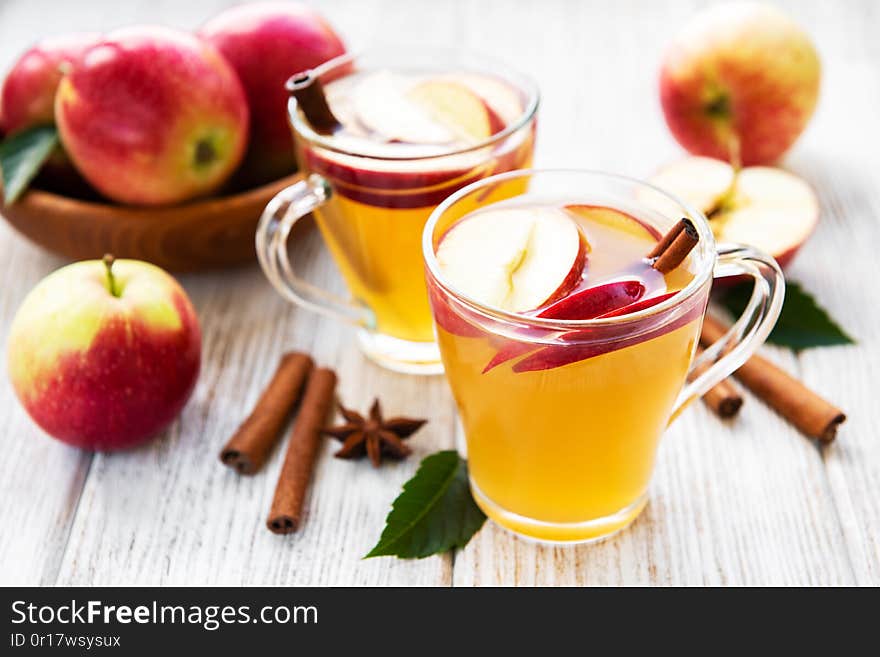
{"x": 810, "y": 413}
{"x": 674, "y": 246}
{"x": 306, "y": 87}
{"x": 290, "y": 492}
{"x": 248, "y": 448}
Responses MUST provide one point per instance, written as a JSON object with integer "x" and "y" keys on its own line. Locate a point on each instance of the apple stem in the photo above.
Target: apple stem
{"x": 111, "y": 279}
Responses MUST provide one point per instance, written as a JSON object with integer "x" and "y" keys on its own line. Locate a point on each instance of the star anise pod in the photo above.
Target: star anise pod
{"x": 374, "y": 436}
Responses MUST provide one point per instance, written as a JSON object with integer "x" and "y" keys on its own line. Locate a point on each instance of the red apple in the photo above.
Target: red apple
{"x": 28, "y": 93}
{"x": 27, "y": 98}
{"x": 153, "y": 115}
{"x": 739, "y": 77}
{"x": 266, "y": 43}
{"x": 769, "y": 208}
{"x": 105, "y": 355}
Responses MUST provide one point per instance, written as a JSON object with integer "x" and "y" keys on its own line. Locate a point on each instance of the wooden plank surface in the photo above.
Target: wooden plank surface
{"x": 750, "y": 502}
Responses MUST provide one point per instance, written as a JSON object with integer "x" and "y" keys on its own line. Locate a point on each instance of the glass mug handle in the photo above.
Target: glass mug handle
{"x": 281, "y": 214}
{"x": 752, "y": 327}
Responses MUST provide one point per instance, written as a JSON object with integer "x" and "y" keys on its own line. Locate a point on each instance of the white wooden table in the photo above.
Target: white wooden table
{"x": 752, "y": 502}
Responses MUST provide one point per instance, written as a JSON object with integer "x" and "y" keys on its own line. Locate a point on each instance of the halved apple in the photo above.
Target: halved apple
{"x": 515, "y": 259}
{"x": 765, "y": 207}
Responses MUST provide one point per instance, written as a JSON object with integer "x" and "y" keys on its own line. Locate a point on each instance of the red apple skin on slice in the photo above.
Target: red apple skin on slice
{"x": 600, "y": 301}
{"x": 638, "y": 305}
{"x": 595, "y": 301}
{"x": 447, "y": 318}
{"x": 568, "y": 351}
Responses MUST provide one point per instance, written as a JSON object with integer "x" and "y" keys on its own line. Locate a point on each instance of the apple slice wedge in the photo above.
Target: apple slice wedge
{"x": 766, "y": 207}
{"x": 514, "y": 259}
{"x": 599, "y": 301}
{"x": 638, "y": 305}
{"x": 455, "y": 107}
{"x": 596, "y": 301}
{"x": 615, "y": 219}
{"x": 381, "y": 104}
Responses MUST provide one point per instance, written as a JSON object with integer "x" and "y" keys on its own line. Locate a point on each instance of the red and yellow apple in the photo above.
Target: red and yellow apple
{"x": 766, "y": 207}
{"x": 266, "y": 43}
{"x": 739, "y": 82}
{"x": 104, "y": 355}
{"x": 27, "y": 98}
{"x": 153, "y": 115}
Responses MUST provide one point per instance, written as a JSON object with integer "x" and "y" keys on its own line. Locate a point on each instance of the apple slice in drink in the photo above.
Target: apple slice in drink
{"x": 599, "y": 301}
{"x": 381, "y": 104}
{"x": 615, "y": 219}
{"x": 596, "y": 301}
{"x": 638, "y": 305}
{"x": 569, "y": 350}
{"x": 514, "y": 259}
{"x": 765, "y": 207}
{"x": 455, "y": 107}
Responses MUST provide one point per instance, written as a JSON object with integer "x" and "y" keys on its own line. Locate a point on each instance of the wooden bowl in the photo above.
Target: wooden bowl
{"x": 205, "y": 234}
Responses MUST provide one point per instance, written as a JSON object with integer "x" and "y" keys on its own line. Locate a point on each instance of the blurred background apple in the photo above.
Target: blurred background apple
{"x": 266, "y": 43}
{"x": 27, "y": 99}
{"x": 153, "y": 115}
{"x": 739, "y": 82}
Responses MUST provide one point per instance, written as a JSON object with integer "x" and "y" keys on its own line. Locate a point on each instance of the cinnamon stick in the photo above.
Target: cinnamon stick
{"x": 249, "y": 446}
{"x": 810, "y": 413}
{"x": 286, "y": 513}
{"x": 310, "y": 96}
{"x": 724, "y": 399}
{"x": 674, "y": 246}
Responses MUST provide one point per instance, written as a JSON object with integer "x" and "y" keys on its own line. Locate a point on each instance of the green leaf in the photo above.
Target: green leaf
{"x": 434, "y": 513}
{"x": 21, "y": 157}
{"x": 802, "y": 324}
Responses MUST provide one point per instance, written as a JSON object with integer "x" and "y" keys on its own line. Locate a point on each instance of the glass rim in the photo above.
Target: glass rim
{"x": 706, "y": 237}
{"x": 524, "y": 83}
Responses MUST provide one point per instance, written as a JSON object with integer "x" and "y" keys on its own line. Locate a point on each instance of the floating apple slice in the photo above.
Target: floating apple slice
{"x": 455, "y": 107}
{"x": 595, "y": 301}
{"x": 580, "y": 345}
{"x": 638, "y": 305}
{"x": 502, "y": 98}
{"x": 514, "y": 259}
{"x": 600, "y": 301}
{"x": 765, "y": 207}
{"x": 615, "y": 219}
{"x": 447, "y": 318}
{"x": 380, "y": 103}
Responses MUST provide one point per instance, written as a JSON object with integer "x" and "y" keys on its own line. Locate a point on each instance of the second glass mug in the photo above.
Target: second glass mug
{"x": 561, "y": 447}
{"x": 371, "y": 209}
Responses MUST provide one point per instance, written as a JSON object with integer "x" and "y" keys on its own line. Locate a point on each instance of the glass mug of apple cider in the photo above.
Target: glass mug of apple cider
{"x": 382, "y": 138}
{"x": 567, "y": 319}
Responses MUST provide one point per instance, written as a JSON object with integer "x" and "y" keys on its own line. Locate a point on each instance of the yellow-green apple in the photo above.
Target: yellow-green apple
{"x": 766, "y": 207}
{"x": 266, "y": 43}
{"x": 516, "y": 259}
{"x": 152, "y": 115}
{"x": 104, "y": 355}
{"x": 27, "y": 98}
{"x": 739, "y": 82}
